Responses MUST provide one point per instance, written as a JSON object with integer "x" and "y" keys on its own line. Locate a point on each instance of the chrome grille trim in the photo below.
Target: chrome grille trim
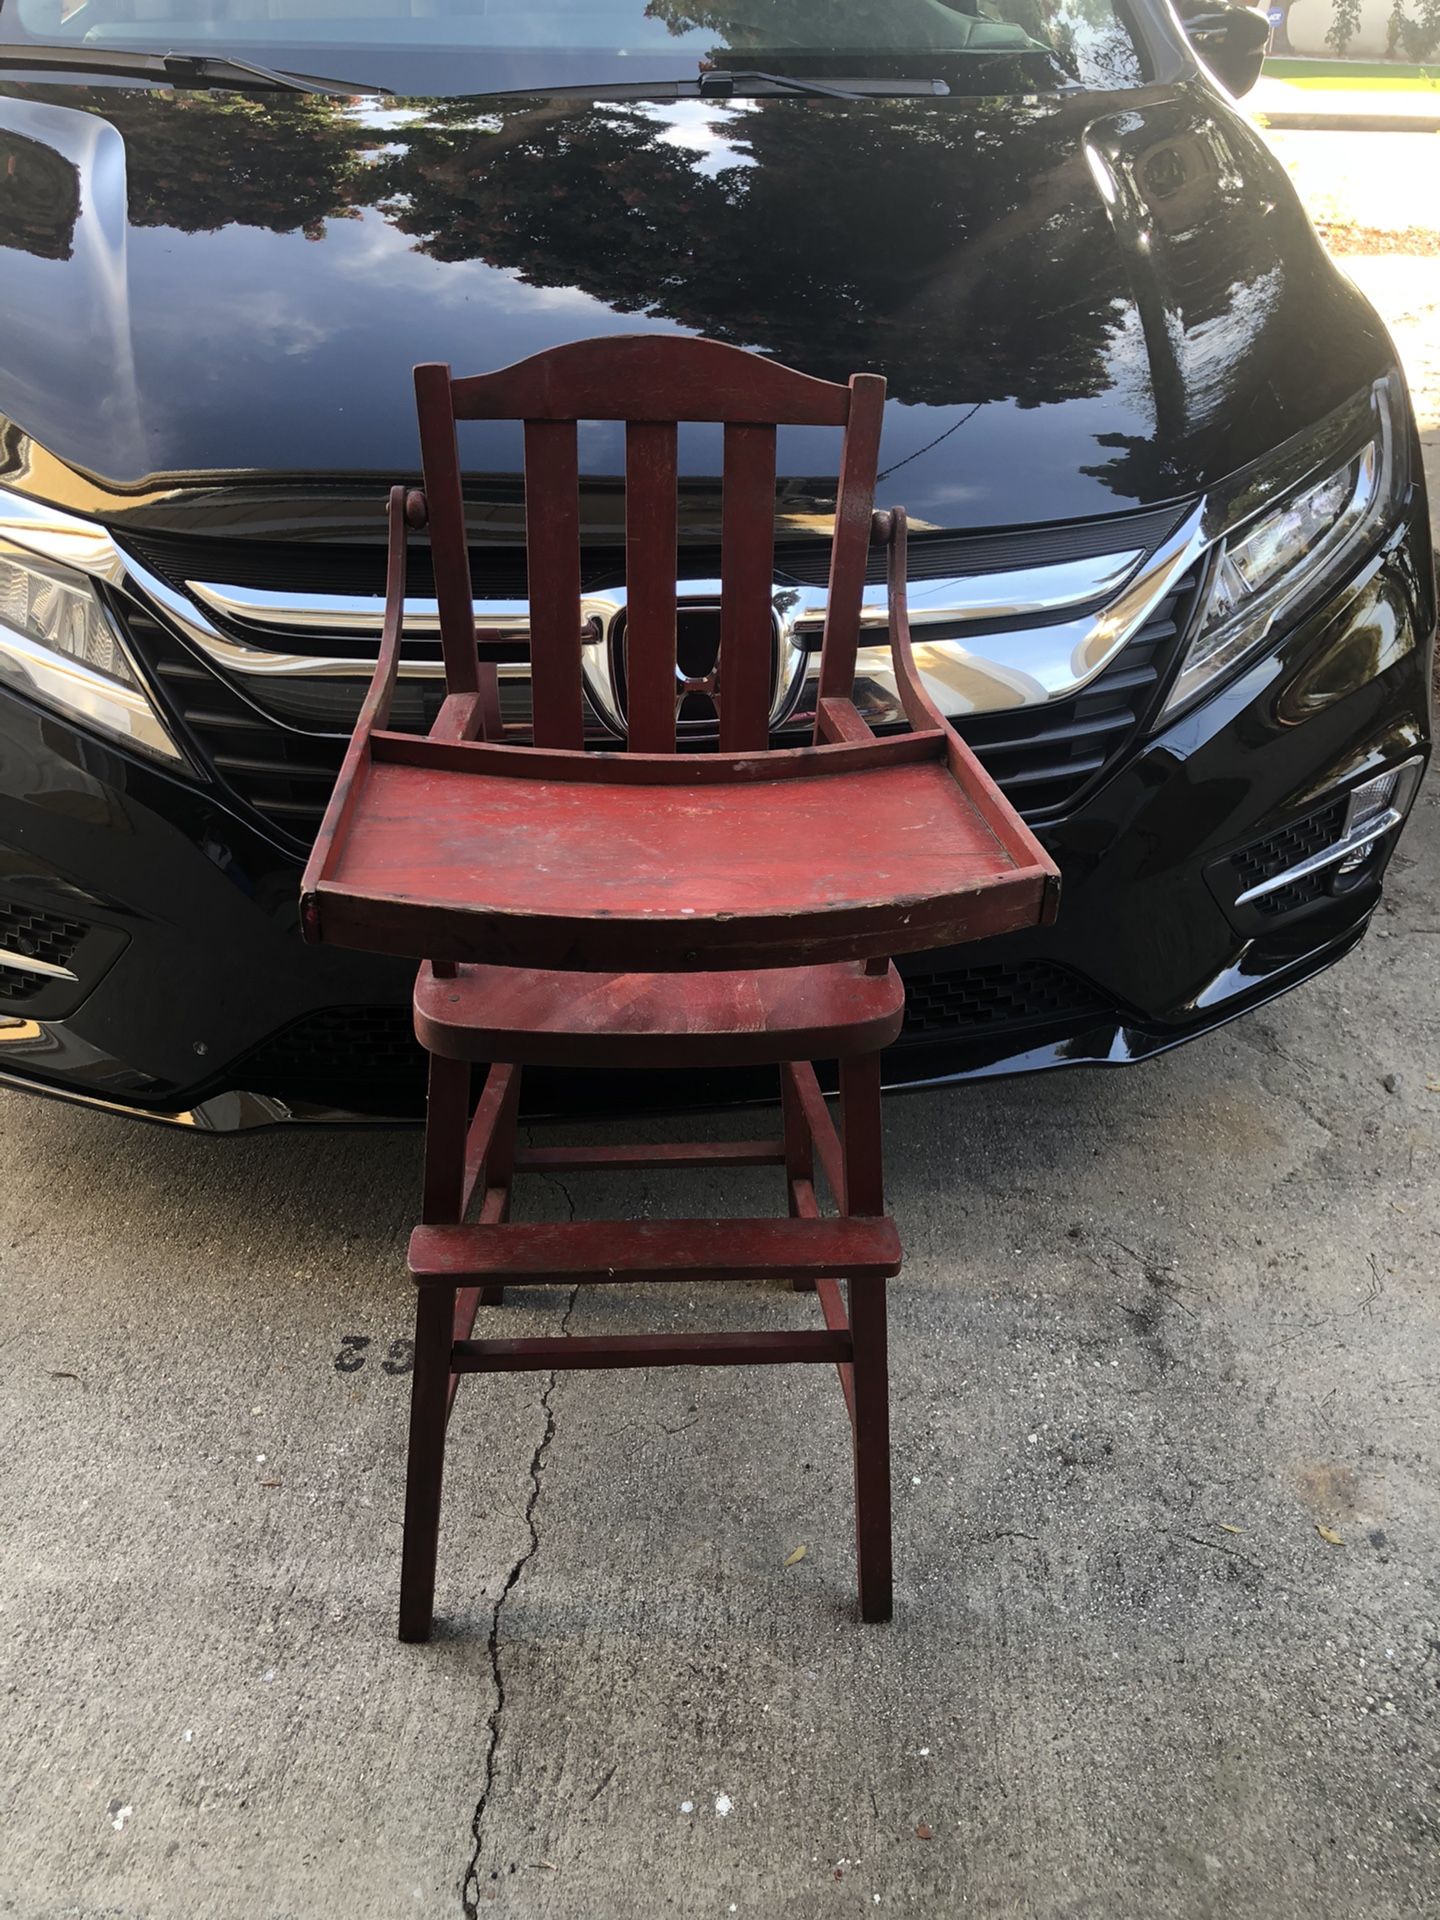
{"x": 1019, "y": 667}
{"x": 1023, "y": 592}
{"x": 1022, "y": 666}
{"x": 28, "y": 963}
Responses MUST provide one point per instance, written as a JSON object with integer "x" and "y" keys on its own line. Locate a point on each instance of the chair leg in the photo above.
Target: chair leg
{"x": 799, "y": 1153}
{"x": 872, "y": 1449}
{"x": 500, "y": 1165}
{"x": 446, "y": 1121}
{"x": 425, "y": 1467}
{"x": 447, "y": 1118}
{"x": 864, "y": 1191}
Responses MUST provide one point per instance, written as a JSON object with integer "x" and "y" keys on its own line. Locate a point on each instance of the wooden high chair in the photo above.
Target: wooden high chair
{"x": 655, "y": 908}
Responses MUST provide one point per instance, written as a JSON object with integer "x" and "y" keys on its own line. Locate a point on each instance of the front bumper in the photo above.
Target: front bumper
{"x": 197, "y": 1003}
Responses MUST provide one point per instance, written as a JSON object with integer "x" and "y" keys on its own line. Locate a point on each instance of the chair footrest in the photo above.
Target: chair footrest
{"x": 580, "y": 1251}
{"x": 648, "y": 1350}
{"x": 651, "y": 1158}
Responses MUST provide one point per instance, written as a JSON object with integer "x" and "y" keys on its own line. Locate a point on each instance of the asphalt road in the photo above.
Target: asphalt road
{"x": 1158, "y": 1328}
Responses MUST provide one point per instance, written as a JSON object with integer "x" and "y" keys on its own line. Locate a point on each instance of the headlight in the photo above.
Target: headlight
{"x": 57, "y": 645}
{"x": 1338, "y": 491}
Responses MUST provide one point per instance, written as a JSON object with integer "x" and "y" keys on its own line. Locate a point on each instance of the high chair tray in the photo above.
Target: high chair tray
{"x": 530, "y": 857}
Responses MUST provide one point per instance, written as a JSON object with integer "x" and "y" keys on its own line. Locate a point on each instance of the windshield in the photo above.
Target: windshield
{"x": 993, "y": 46}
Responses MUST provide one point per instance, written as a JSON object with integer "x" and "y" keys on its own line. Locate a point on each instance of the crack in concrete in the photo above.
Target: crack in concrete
{"x": 470, "y": 1888}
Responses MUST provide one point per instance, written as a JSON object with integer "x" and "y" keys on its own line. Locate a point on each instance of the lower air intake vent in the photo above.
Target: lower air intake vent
{"x": 26, "y": 934}
{"x": 367, "y": 1060}
{"x": 1287, "y": 847}
{"x": 361, "y": 1059}
{"x": 973, "y": 1001}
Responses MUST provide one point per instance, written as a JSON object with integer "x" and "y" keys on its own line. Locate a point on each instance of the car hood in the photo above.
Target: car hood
{"x": 1083, "y": 304}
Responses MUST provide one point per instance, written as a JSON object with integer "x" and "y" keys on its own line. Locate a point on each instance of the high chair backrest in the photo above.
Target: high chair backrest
{"x": 651, "y": 383}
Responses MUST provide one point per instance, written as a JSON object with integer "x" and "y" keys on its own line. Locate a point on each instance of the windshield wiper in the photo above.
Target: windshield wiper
{"x": 723, "y": 80}
{"x": 181, "y": 69}
{"x": 207, "y": 69}
{"x": 719, "y": 84}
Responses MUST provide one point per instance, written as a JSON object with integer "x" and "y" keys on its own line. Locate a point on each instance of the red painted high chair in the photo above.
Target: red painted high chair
{"x": 653, "y": 908}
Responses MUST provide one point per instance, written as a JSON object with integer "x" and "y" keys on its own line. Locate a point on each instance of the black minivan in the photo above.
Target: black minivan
{"x": 1171, "y": 566}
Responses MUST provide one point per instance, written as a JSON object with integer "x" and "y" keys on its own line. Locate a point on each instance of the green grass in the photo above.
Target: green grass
{"x": 1367, "y": 76}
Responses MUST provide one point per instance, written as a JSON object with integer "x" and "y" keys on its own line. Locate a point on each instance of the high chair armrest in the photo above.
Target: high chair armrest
{"x": 891, "y": 529}
{"x": 406, "y": 509}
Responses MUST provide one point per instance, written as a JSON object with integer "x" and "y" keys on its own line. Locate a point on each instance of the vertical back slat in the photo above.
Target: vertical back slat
{"x": 552, "y": 538}
{"x": 747, "y": 576}
{"x": 650, "y": 552}
{"x": 440, "y": 457}
{"x": 854, "y": 507}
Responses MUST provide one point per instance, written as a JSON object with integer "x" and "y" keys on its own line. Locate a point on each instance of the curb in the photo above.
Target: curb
{"x": 1295, "y": 120}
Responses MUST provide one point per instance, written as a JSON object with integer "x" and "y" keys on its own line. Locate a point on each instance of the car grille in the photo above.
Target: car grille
{"x": 1286, "y": 848}
{"x": 367, "y": 1058}
{"x": 277, "y": 746}
{"x": 1045, "y": 759}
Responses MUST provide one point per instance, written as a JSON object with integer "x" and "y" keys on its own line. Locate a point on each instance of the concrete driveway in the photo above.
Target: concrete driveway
{"x": 1166, "y": 1364}
{"x": 1374, "y": 199}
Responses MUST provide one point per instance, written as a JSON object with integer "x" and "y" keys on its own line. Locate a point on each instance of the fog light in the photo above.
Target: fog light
{"x": 1347, "y": 869}
{"x": 1372, "y": 799}
{"x": 1369, "y": 804}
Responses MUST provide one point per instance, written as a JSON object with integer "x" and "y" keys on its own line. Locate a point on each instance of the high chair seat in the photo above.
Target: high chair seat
{"x": 536, "y": 1018}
